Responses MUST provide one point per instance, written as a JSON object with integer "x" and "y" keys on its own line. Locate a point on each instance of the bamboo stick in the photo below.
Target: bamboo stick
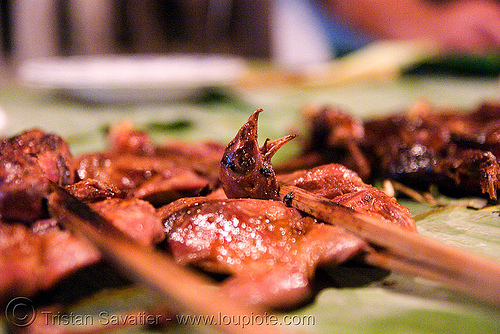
{"x": 390, "y": 262}
{"x": 413, "y": 253}
{"x": 183, "y": 290}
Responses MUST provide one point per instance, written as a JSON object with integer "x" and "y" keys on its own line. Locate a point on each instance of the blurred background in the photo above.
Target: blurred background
{"x": 62, "y": 27}
{"x": 290, "y": 31}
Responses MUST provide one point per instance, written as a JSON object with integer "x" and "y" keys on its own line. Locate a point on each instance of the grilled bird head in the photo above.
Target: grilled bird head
{"x": 246, "y": 170}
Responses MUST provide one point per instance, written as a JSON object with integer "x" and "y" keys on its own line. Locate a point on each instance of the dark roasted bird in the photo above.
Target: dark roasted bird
{"x": 453, "y": 150}
{"x": 270, "y": 250}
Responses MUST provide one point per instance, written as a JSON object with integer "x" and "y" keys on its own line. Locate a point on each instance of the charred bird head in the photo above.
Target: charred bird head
{"x": 246, "y": 170}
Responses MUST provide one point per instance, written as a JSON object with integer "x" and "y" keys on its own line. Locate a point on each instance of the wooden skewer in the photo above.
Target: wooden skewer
{"x": 183, "y": 290}
{"x": 406, "y": 251}
{"x": 390, "y": 262}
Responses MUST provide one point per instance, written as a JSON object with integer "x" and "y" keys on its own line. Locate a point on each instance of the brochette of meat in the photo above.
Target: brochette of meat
{"x": 270, "y": 250}
{"x": 36, "y": 251}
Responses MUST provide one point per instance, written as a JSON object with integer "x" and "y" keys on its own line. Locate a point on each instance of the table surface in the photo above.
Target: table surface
{"x": 407, "y": 305}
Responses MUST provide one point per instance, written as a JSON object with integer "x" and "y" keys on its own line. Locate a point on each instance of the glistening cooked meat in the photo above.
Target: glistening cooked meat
{"x": 27, "y": 162}
{"x": 271, "y": 250}
{"x": 35, "y": 252}
{"x": 345, "y": 187}
{"x": 452, "y": 150}
{"x": 34, "y": 259}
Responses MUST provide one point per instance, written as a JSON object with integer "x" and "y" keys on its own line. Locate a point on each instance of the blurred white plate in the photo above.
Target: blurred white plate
{"x": 124, "y": 78}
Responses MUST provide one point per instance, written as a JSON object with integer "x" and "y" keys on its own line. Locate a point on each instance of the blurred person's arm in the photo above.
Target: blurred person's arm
{"x": 470, "y": 25}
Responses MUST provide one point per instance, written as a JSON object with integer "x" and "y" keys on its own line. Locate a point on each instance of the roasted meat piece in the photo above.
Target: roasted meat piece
{"x": 451, "y": 149}
{"x": 124, "y": 138}
{"x": 470, "y": 172}
{"x": 333, "y": 132}
{"x": 90, "y": 191}
{"x": 329, "y": 181}
{"x": 153, "y": 178}
{"x": 133, "y": 216}
{"x": 34, "y": 259}
{"x": 50, "y": 151}
{"x": 136, "y": 217}
{"x": 345, "y": 187}
{"x": 202, "y": 157}
{"x": 436, "y": 147}
{"x": 271, "y": 249}
{"x": 156, "y": 173}
{"x": 23, "y": 189}
{"x": 28, "y": 162}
